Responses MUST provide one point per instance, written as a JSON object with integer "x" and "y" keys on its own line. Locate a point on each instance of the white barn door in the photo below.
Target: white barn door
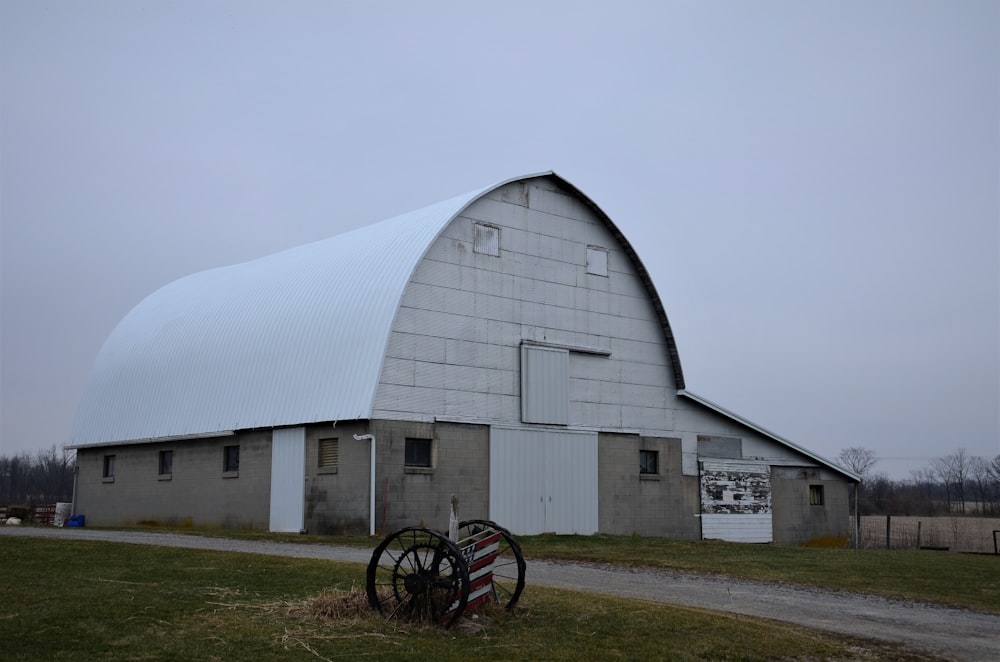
{"x": 288, "y": 466}
{"x": 543, "y": 480}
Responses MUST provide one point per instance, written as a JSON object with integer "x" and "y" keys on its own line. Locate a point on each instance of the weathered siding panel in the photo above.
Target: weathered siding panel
{"x": 736, "y": 500}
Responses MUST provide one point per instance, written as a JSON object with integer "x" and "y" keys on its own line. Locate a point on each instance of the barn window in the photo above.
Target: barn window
{"x": 418, "y": 453}
{"x": 329, "y": 453}
{"x": 597, "y": 260}
{"x": 486, "y": 239}
{"x": 109, "y": 467}
{"x": 166, "y": 463}
{"x": 230, "y": 459}
{"x": 649, "y": 462}
{"x": 815, "y": 495}
{"x": 544, "y": 385}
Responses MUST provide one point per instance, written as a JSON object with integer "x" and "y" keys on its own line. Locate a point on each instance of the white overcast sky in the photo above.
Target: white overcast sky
{"x": 814, "y": 186}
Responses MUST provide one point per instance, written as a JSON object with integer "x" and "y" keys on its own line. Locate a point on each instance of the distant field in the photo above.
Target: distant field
{"x": 958, "y": 534}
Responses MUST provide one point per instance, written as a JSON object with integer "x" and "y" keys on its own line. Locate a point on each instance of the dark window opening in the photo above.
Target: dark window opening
{"x": 418, "y": 453}
{"x": 166, "y": 462}
{"x": 231, "y": 458}
{"x": 109, "y": 466}
{"x": 649, "y": 462}
{"x": 815, "y": 495}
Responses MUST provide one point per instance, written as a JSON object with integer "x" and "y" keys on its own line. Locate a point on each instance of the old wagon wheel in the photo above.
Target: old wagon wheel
{"x": 508, "y": 571}
{"x": 420, "y": 574}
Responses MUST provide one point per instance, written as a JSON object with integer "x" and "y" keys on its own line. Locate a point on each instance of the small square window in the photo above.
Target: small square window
{"x": 815, "y": 495}
{"x": 649, "y": 462}
{"x": 329, "y": 452}
{"x": 231, "y": 458}
{"x": 418, "y": 452}
{"x": 166, "y": 462}
{"x": 486, "y": 239}
{"x": 597, "y": 261}
{"x": 109, "y": 466}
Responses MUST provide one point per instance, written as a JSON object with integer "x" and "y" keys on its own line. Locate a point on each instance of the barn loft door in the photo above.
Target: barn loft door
{"x": 288, "y": 465}
{"x": 543, "y": 480}
{"x": 736, "y": 501}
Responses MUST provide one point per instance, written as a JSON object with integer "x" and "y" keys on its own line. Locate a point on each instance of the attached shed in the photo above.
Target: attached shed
{"x": 506, "y": 345}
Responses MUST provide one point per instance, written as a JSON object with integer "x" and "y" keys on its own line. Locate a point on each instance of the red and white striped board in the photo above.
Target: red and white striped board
{"x": 480, "y": 554}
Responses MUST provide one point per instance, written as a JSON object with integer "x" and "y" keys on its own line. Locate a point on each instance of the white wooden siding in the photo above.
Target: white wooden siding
{"x": 288, "y": 457}
{"x": 543, "y": 480}
{"x": 737, "y": 528}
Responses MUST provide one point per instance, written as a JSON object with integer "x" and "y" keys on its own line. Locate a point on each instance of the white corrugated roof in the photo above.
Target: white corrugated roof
{"x": 291, "y": 338}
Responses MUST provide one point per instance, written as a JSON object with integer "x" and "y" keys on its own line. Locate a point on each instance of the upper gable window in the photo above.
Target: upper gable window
{"x": 597, "y": 260}
{"x": 486, "y": 239}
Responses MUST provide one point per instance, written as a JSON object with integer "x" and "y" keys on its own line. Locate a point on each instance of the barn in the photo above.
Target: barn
{"x": 506, "y": 346}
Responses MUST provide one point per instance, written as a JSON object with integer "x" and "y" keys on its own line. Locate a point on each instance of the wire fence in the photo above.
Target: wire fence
{"x": 957, "y": 534}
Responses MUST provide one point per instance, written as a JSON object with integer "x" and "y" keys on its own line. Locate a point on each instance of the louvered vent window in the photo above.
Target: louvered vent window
{"x": 329, "y": 452}
{"x": 487, "y": 239}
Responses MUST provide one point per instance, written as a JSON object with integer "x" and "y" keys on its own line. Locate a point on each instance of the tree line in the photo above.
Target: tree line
{"x": 43, "y": 478}
{"x": 956, "y": 484}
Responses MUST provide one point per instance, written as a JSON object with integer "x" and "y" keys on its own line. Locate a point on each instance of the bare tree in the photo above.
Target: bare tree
{"x": 859, "y": 460}
{"x": 979, "y": 477}
{"x": 953, "y": 472}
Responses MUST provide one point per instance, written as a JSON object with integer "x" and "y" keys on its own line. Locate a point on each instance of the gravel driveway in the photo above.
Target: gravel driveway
{"x": 953, "y": 634}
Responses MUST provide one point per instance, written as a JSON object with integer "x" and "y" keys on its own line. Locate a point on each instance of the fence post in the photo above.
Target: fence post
{"x": 919, "y": 524}
{"x": 888, "y": 531}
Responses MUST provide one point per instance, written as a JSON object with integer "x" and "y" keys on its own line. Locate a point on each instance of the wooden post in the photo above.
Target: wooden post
{"x": 919, "y": 542}
{"x": 888, "y": 531}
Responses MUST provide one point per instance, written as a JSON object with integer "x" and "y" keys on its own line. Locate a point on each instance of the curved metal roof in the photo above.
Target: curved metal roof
{"x": 291, "y": 338}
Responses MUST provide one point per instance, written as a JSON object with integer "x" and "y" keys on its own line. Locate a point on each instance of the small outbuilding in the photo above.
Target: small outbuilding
{"x": 506, "y": 345}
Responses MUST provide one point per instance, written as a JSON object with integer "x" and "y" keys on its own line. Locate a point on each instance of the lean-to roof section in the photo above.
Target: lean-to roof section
{"x": 292, "y": 338}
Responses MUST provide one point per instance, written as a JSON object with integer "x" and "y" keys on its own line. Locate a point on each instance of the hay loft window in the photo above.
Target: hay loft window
{"x": 329, "y": 455}
{"x": 544, "y": 385}
{"x": 418, "y": 453}
{"x": 166, "y": 464}
{"x": 230, "y": 460}
{"x": 649, "y": 463}
{"x": 815, "y": 495}
{"x": 486, "y": 239}
{"x": 108, "y": 471}
{"x": 597, "y": 261}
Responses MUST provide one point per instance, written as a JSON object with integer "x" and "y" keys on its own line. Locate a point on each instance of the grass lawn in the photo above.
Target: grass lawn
{"x": 79, "y": 600}
{"x": 971, "y": 581}
{"x": 962, "y": 580}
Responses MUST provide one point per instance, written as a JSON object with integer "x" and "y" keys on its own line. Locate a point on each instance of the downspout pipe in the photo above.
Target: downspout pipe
{"x": 371, "y": 482}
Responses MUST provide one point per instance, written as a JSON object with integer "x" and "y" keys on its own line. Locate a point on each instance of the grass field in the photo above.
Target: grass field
{"x": 78, "y": 600}
{"x": 962, "y": 580}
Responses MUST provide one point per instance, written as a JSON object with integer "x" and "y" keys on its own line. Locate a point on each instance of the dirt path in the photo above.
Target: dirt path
{"x": 953, "y": 634}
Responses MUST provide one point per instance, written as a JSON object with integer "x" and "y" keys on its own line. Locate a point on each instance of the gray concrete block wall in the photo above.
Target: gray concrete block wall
{"x": 795, "y": 521}
{"x": 631, "y": 503}
{"x": 197, "y": 493}
{"x": 412, "y": 497}
{"x": 337, "y": 498}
